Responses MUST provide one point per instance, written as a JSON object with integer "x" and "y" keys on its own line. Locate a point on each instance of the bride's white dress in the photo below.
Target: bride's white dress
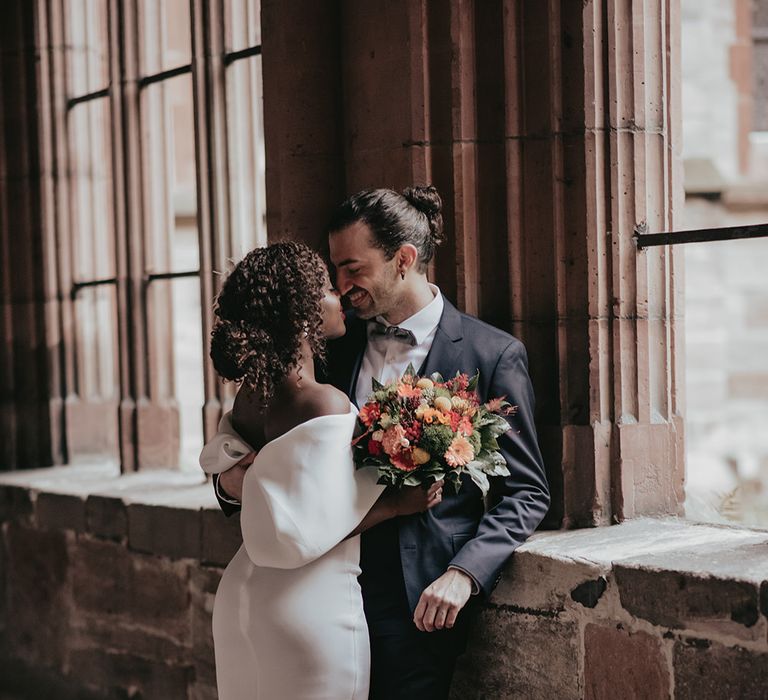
{"x": 288, "y": 620}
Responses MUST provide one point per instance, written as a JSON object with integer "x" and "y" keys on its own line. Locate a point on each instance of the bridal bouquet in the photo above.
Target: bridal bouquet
{"x": 418, "y": 430}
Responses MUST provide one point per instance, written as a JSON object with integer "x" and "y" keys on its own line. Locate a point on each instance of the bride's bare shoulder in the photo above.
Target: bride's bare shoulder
{"x": 324, "y": 400}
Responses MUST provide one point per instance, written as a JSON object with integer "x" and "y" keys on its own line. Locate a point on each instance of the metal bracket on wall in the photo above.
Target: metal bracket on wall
{"x": 643, "y": 239}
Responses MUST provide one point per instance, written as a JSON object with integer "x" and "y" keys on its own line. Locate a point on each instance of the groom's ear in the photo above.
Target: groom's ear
{"x": 406, "y": 256}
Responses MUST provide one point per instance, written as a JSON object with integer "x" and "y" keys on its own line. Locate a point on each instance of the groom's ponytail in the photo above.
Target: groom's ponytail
{"x": 427, "y": 200}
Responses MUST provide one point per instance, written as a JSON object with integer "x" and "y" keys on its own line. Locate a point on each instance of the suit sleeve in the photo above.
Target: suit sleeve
{"x": 227, "y": 505}
{"x": 522, "y": 498}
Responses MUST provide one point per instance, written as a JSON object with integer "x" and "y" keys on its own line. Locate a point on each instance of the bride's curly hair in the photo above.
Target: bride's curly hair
{"x": 269, "y": 302}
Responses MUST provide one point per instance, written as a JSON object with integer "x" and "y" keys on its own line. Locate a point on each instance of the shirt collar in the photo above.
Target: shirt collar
{"x": 424, "y": 321}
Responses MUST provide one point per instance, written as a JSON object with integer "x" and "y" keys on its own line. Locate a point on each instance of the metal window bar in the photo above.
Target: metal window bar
{"x": 644, "y": 240}
{"x": 72, "y": 101}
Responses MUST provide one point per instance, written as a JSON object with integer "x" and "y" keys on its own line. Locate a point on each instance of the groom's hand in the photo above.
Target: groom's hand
{"x": 442, "y": 601}
{"x": 231, "y": 481}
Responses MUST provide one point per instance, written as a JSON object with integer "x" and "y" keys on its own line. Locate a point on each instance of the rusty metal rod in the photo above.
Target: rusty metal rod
{"x": 704, "y": 235}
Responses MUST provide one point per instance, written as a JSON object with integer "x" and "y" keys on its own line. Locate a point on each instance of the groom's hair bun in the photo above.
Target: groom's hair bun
{"x": 427, "y": 200}
{"x": 414, "y": 217}
{"x": 268, "y": 303}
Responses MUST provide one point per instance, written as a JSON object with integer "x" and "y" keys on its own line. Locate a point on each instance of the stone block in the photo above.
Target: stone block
{"x": 748, "y": 385}
{"x": 170, "y": 532}
{"x": 221, "y": 537}
{"x": 535, "y": 582}
{"x": 644, "y": 674}
{"x": 513, "y": 655}
{"x": 106, "y": 517}
{"x": 58, "y": 511}
{"x": 680, "y": 599}
{"x": 37, "y": 593}
{"x": 203, "y": 584}
{"x": 705, "y": 669}
{"x": 757, "y": 311}
{"x": 111, "y": 581}
{"x": 15, "y": 503}
{"x": 123, "y": 635}
{"x": 118, "y": 675}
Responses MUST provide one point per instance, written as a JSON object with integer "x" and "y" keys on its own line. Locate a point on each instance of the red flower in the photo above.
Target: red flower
{"x": 375, "y": 448}
{"x": 413, "y": 431}
{"x": 402, "y": 460}
{"x": 455, "y": 420}
{"x": 369, "y": 414}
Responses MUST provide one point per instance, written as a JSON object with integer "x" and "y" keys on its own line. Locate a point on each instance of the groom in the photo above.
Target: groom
{"x": 422, "y": 575}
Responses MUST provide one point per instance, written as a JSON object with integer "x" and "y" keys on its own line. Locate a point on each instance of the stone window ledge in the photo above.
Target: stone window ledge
{"x": 651, "y": 574}
{"x": 163, "y": 512}
{"x": 663, "y": 573}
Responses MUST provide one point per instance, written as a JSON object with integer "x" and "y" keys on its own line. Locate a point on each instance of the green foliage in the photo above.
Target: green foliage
{"x": 436, "y": 439}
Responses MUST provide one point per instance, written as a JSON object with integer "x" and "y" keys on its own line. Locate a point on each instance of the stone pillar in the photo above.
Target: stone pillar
{"x": 302, "y": 117}
{"x": 551, "y": 130}
{"x": 31, "y": 419}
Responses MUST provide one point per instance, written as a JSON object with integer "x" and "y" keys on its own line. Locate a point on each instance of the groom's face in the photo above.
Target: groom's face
{"x": 363, "y": 274}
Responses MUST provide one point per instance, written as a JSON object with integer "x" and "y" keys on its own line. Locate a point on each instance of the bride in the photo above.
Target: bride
{"x": 288, "y": 618}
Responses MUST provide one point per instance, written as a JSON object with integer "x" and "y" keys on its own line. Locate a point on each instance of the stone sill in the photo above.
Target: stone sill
{"x": 664, "y": 576}
{"x": 164, "y": 512}
{"x": 660, "y": 573}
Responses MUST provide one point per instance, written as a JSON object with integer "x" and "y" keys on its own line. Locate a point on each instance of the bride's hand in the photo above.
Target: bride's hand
{"x": 416, "y": 499}
{"x": 231, "y": 481}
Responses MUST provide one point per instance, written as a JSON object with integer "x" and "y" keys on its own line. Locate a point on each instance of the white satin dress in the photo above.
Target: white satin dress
{"x": 288, "y": 621}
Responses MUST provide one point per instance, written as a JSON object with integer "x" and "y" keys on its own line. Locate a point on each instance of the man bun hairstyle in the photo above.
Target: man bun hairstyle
{"x": 270, "y": 301}
{"x": 414, "y": 217}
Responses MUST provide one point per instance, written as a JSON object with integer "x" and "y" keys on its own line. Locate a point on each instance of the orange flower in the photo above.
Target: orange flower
{"x": 407, "y": 391}
{"x": 369, "y": 414}
{"x": 459, "y": 452}
{"x": 495, "y": 404}
{"x": 465, "y": 426}
{"x": 430, "y": 415}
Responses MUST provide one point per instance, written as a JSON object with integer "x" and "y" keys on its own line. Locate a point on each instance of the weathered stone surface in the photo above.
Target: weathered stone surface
{"x": 37, "y": 594}
{"x": 535, "y": 582}
{"x": 19, "y": 681}
{"x": 57, "y": 511}
{"x": 171, "y": 532}
{"x": 676, "y": 599}
{"x": 109, "y": 580}
{"x": 513, "y": 655}
{"x": 589, "y": 593}
{"x": 106, "y": 517}
{"x": 203, "y": 584}
{"x": 621, "y": 664}
{"x": 15, "y": 503}
{"x": 116, "y": 675}
{"x": 123, "y": 635}
{"x": 710, "y": 670}
{"x": 221, "y": 537}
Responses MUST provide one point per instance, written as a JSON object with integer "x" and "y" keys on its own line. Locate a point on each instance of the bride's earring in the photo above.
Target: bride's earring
{"x": 402, "y": 275}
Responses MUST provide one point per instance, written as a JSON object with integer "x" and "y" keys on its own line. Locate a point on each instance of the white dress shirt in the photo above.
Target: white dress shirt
{"x": 387, "y": 358}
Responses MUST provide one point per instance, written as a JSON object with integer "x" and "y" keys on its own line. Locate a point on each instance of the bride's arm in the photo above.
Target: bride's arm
{"x": 393, "y": 503}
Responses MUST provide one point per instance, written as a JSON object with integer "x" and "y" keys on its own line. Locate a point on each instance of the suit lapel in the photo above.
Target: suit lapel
{"x": 445, "y": 354}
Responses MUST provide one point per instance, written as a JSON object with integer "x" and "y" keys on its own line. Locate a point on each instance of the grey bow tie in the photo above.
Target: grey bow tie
{"x": 401, "y": 334}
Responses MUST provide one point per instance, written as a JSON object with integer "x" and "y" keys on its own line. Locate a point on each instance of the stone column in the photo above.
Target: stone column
{"x": 31, "y": 404}
{"x": 551, "y": 130}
